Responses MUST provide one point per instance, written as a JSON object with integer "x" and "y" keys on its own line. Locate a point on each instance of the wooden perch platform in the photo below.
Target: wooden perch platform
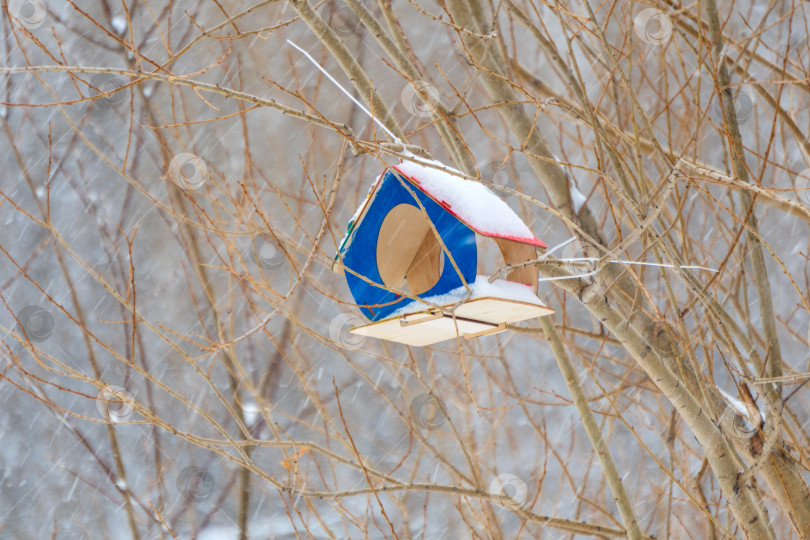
{"x": 477, "y": 317}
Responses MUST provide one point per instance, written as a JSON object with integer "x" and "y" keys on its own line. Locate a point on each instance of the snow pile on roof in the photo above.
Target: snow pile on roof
{"x": 473, "y": 203}
{"x": 481, "y": 288}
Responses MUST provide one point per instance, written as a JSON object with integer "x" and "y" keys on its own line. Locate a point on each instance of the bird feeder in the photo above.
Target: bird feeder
{"x": 410, "y": 258}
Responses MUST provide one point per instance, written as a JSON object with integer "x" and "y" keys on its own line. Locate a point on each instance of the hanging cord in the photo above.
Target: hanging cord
{"x": 351, "y": 97}
{"x": 587, "y": 260}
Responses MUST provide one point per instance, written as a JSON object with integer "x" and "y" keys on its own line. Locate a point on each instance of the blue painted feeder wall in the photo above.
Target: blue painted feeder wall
{"x": 360, "y": 255}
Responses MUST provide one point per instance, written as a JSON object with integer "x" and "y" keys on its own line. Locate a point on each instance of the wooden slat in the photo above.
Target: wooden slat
{"x": 421, "y": 317}
{"x": 496, "y": 330}
{"x": 516, "y": 253}
{"x": 480, "y": 316}
{"x": 500, "y": 310}
{"x": 424, "y": 333}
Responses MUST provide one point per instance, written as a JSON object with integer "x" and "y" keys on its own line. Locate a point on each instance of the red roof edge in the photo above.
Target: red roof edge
{"x": 533, "y": 241}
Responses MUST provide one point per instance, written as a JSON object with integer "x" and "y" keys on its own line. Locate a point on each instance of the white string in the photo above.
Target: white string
{"x": 618, "y": 261}
{"x": 558, "y": 246}
{"x": 660, "y": 265}
{"x": 351, "y": 97}
{"x": 575, "y": 276}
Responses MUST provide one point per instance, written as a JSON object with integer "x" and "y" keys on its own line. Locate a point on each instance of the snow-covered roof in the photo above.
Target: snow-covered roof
{"x": 471, "y": 202}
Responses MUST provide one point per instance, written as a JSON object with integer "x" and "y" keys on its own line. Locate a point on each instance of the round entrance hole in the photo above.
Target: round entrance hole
{"x": 409, "y": 255}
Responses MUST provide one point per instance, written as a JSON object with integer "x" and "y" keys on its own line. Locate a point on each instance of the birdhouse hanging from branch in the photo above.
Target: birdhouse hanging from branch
{"x": 410, "y": 258}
